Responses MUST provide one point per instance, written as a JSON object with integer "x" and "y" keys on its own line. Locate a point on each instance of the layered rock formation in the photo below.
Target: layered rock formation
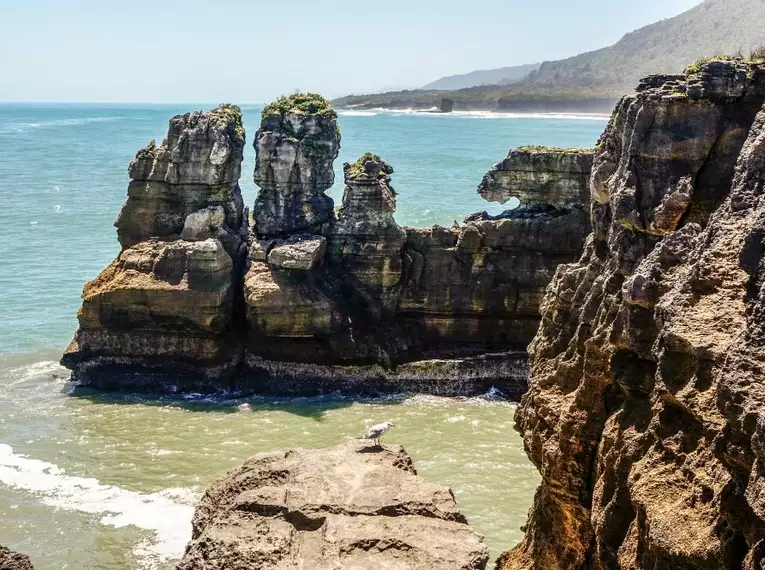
{"x": 162, "y": 314}
{"x": 540, "y": 175}
{"x": 366, "y": 241}
{"x": 351, "y": 506}
{"x": 310, "y": 300}
{"x": 10, "y": 560}
{"x": 296, "y": 145}
{"x": 646, "y": 408}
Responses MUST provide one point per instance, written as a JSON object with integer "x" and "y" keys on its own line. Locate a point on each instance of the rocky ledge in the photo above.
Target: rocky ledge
{"x": 352, "y": 506}
{"x": 305, "y": 299}
{"x": 10, "y": 560}
{"x": 646, "y": 408}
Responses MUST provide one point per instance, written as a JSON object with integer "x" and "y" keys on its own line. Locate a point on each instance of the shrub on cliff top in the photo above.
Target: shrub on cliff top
{"x": 300, "y": 103}
{"x": 357, "y": 169}
{"x": 228, "y": 112}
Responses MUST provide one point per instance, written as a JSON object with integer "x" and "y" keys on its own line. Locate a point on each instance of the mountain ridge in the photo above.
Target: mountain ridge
{"x": 499, "y": 76}
{"x": 595, "y": 80}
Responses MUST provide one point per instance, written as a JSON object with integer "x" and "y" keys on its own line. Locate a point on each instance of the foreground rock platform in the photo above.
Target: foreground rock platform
{"x": 646, "y": 409}
{"x": 352, "y": 506}
{"x": 10, "y": 560}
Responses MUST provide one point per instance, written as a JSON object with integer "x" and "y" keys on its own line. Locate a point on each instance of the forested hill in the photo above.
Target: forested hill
{"x": 502, "y": 76}
{"x": 598, "y": 78}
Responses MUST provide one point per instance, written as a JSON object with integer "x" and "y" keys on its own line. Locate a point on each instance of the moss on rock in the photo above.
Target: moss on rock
{"x": 228, "y": 112}
{"x": 300, "y": 103}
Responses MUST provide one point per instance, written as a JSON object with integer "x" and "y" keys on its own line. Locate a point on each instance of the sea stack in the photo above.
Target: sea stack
{"x": 366, "y": 239}
{"x": 296, "y": 146}
{"x": 646, "y": 408}
{"x": 161, "y": 315}
{"x": 308, "y": 300}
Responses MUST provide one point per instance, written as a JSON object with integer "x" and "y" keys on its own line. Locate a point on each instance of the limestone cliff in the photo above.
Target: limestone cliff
{"x": 309, "y": 300}
{"x": 351, "y": 506}
{"x": 646, "y": 408}
{"x": 540, "y": 175}
{"x": 162, "y": 313}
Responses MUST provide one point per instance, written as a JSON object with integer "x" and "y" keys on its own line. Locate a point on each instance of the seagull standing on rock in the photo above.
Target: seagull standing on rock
{"x": 376, "y": 432}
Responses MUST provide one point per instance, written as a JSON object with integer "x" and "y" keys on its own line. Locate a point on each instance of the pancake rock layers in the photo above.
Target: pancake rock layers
{"x": 646, "y": 408}
{"x": 162, "y": 313}
{"x": 296, "y": 145}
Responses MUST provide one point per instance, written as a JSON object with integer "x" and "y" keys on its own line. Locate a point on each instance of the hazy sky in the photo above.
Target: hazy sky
{"x": 249, "y": 51}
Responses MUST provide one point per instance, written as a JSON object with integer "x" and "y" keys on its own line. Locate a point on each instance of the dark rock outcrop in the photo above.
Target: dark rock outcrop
{"x": 366, "y": 240}
{"x": 162, "y": 313}
{"x": 10, "y": 560}
{"x": 646, "y": 408}
{"x": 351, "y": 506}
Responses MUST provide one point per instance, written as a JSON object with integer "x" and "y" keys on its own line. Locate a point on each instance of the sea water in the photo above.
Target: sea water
{"x": 105, "y": 481}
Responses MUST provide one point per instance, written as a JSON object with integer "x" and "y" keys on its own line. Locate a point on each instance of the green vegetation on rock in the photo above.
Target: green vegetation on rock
{"x": 302, "y": 104}
{"x": 357, "y": 169}
{"x": 228, "y": 112}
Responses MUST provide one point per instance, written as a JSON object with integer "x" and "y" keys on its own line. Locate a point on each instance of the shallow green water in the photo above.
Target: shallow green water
{"x": 92, "y": 482}
{"x": 100, "y": 483}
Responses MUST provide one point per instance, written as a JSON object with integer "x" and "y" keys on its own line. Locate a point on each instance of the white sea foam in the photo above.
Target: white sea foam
{"x": 602, "y": 117}
{"x": 357, "y": 113}
{"x": 16, "y": 128}
{"x": 166, "y": 513}
{"x": 45, "y": 368}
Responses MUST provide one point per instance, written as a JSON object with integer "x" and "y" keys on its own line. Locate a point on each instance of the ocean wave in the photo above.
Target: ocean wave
{"x": 602, "y": 117}
{"x": 166, "y": 513}
{"x": 17, "y": 128}
{"x": 357, "y": 113}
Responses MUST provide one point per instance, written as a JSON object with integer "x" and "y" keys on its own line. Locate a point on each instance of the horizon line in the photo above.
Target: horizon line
{"x": 54, "y": 102}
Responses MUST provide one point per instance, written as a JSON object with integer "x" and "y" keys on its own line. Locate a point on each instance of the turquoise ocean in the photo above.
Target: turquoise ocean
{"x": 109, "y": 481}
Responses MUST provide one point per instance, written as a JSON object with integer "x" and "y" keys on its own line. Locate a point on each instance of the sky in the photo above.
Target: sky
{"x": 251, "y": 51}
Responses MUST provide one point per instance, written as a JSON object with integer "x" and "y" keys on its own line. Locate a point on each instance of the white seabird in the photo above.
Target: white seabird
{"x": 376, "y": 432}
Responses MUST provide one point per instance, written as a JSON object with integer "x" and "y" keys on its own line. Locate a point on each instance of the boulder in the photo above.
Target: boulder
{"x": 351, "y": 506}
{"x": 300, "y": 252}
{"x": 10, "y": 560}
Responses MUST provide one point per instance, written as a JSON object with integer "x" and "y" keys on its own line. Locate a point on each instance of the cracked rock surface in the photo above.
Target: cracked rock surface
{"x": 356, "y": 505}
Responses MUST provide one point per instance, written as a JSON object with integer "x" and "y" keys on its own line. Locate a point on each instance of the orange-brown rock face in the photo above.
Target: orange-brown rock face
{"x": 646, "y": 408}
{"x": 351, "y": 506}
{"x": 161, "y": 315}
